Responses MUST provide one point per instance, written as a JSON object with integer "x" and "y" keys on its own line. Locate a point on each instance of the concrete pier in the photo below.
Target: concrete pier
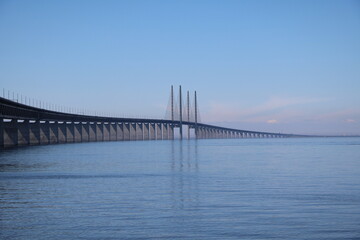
{"x": 85, "y": 128}
{"x": 62, "y": 132}
{"x": 92, "y": 132}
{"x": 146, "y": 135}
{"x": 158, "y": 130}
{"x": 77, "y": 132}
{"x": 139, "y": 132}
{"x": 152, "y": 135}
{"x": 106, "y": 131}
{"x": 133, "y": 131}
{"x": 34, "y": 132}
{"x": 44, "y": 132}
{"x": 70, "y": 132}
{"x": 112, "y": 131}
{"x": 23, "y": 133}
{"x": 10, "y": 133}
{"x": 53, "y": 132}
{"x": 126, "y": 128}
{"x": 99, "y": 131}
{"x": 165, "y": 132}
{"x": 1, "y": 132}
{"x": 120, "y": 132}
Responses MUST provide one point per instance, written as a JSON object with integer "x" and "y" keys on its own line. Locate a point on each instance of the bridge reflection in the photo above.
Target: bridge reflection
{"x": 184, "y": 174}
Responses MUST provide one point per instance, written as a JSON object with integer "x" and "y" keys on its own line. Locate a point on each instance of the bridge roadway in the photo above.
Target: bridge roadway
{"x": 22, "y": 124}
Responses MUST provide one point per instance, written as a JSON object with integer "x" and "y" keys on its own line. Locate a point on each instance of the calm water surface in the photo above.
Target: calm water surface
{"x": 305, "y": 188}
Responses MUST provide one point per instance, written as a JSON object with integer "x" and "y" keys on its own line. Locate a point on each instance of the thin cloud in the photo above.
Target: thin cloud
{"x": 272, "y": 121}
{"x": 350, "y": 121}
{"x": 260, "y": 113}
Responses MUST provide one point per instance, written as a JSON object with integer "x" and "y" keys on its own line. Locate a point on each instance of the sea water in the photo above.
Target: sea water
{"x": 295, "y": 188}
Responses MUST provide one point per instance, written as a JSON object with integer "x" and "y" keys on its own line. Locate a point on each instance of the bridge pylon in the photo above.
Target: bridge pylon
{"x": 196, "y": 117}
{"x": 180, "y": 113}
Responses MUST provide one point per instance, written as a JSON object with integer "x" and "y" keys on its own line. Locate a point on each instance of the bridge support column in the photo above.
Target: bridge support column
{"x": 106, "y": 131}
{"x": 119, "y": 131}
{"x": 203, "y": 133}
{"x": 23, "y": 133}
{"x": 92, "y": 131}
{"x": 53, "y": 132}
{"x": 165, "y": 135}
{"x": 77, "y": 132}
{"x": 62, "y": 132}
{"x": 1, "y": 132}
{"x": 132, "y": 131}
{"x": 34, "y": 133}
{"x": 127, "y": 127}
{"x": 198, "y": 133}
{"x": 10, "y": 133}
{"x": 99, "y": 131}
{"x": 146, "y": 131}
{"x": 112, "y": 131}
{"x": 139, "y": 131}
{"x": 171, "y": 132}
{"x": 85, "y": 128}
{"x": 44, "y": 132}
{"x": 152, "y": 135}
{"x": 158, "y": 130}
{"x": 70, "y": 132}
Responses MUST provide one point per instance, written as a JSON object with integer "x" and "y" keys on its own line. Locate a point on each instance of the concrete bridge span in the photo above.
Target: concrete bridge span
{"x": 22, "y": 125}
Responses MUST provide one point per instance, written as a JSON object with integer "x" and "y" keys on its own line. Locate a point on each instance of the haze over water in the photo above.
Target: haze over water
{"x": 304, "y": 188}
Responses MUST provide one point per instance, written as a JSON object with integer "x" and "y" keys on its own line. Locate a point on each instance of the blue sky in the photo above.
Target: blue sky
{"x": 289, "y": 66}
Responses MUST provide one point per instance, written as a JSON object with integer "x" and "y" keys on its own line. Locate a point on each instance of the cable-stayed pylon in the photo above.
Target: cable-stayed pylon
{"x": 179, "y": 110}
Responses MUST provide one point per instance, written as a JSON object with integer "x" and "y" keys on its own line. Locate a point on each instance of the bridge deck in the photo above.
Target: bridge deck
{"x": 22, "y": 124}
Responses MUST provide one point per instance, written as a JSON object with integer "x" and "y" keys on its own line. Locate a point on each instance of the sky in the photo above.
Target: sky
{"x": 280, "y": 66}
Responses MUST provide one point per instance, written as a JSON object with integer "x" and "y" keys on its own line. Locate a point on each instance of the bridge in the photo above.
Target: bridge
{"x": 22, "y": 124}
